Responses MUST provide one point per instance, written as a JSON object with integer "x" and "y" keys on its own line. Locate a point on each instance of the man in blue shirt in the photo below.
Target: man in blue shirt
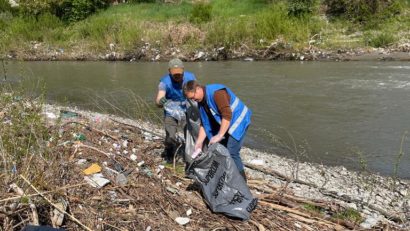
{"x": 170, "y": 91}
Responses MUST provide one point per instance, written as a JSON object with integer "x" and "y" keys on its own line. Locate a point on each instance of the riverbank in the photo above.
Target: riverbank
{"x": 78, "y": 169}
{"x": 212, "y": 31}
{"x": 378, "y": 199}
{"x": 43, "y": 52}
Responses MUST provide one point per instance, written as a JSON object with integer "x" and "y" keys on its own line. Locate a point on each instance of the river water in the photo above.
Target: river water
{"x": 336, "y": 113}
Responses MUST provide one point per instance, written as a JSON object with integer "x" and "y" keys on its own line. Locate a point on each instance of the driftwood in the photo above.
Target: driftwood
{"x": 139, "y": 128}
{"x": 55, "y": 206}
{"x": 279, "y": 175}
{"x": 37, "y": 194}
{"x": 345, "y": 198}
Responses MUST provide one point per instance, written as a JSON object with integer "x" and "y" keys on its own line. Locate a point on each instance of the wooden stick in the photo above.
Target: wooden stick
{"x": 37, "y": 194}
{"x": 140, "y": 128}
{"x": 258, "y": 225}
{"x": 51, "y": 203}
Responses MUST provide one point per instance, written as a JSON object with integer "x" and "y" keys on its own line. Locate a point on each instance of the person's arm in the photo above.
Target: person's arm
{"x": 222, "y": 99}
{"x": 200, "y": 139}
{"x": 160, "y": 100}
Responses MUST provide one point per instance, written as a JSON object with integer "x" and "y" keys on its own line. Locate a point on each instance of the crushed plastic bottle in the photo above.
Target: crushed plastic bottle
{"x": 176, "y": 109}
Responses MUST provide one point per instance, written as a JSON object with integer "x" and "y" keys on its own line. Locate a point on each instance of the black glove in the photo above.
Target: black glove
{"x": 162, "y": 101}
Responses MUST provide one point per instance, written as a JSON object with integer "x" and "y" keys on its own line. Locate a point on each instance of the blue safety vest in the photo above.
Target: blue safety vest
{"x": 174, "y": 90}
{"x": 241, "y": 114}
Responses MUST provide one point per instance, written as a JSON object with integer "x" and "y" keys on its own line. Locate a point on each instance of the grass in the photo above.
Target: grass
{"x": 230, "y": 23}
{"x": 349, "y": 214}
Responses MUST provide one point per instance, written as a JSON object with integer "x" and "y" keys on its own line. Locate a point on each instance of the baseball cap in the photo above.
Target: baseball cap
{"x": 175, "y": 63}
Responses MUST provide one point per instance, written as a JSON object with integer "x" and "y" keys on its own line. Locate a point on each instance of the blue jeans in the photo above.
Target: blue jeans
{"x": 234, "y": 147}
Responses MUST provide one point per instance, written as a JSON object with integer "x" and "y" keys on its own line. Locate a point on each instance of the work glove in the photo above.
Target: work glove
{"x": 162, "y": 101}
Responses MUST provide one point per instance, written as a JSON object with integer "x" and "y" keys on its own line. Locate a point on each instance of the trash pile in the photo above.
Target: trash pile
{"x": 101, "y": 174}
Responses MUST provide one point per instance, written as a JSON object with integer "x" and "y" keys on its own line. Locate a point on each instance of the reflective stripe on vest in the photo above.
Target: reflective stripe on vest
{"x": 239, "y": 120}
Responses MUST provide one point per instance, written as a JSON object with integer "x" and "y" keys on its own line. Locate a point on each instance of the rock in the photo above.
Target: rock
{"x": 199, "y": 55}
{"x": 182, "y": 220}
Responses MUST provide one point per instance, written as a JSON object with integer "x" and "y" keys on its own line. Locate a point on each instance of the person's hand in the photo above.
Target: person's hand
{"x": 196, "y": 153}
{"x": 162, "y": 101}
{"x": 215, "y": 139}
{"x": 198, "y": 145}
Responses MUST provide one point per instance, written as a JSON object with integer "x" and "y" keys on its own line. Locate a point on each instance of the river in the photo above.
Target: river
{"x": 336, "y": 113}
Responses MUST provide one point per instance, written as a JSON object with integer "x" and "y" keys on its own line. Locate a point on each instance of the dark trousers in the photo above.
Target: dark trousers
{"x": 171, "y": 143}
{"x": 234, "y": 148}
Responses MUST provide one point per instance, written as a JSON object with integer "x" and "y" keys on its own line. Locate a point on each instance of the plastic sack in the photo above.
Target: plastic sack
{"x": 222, "y": 185}
{"x": 175, "y": 109}
{"x": 193, "y": 124}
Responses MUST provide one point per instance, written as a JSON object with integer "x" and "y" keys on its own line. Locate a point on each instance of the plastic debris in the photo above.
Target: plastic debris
{"x": 51, "y": 115}
{"x": 133, "y": 157}
{"x": 121, "y": 180}
{"x": 257, "y": 162}
{"x": 189, "y": 212}
{"x": 96, "y": 180}
{"x": 68, "y": 114}
{"x": 94, "y": 168}
{"x": 81, "y": 161}
{"x": 79, "y": 137}
{"x": 141, "y": 163}
{"x": 58, "y": 217}
{"x": 182, "y": 220}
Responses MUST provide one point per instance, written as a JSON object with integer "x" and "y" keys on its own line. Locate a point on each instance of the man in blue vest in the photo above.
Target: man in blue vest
{"x": 224, "y": 118}
{"x": 170, "y": 90}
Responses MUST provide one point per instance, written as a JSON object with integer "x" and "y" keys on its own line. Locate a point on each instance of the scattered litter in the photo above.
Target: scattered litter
{"x": 125, "y": 144}
{"x": 94, "y": 168}
{"x": 121, "y": 180}
{"x": 172, "y": 190}
{"x": 58, "y": 217}
{"x": 182, "y": 220}
{"x": 81, "y": 161}
{"x": 141, "y": 163}
{"x": 257, "y": 162}
{"x": 79, "y": 137}
{"x": 133, "y": 157}
{"x": 68, "y": 114}
{"x": 51, "y": 115}
{"x": 96, "y": 180}
{"x": 189, "y": 212}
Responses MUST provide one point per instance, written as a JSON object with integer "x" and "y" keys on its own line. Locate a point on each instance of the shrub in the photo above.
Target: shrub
{"x": 363, "y": 11}
{"x": 32, "y": 8}
{"x": 140, "y": 1}
{"x": 5, "y": 6}
{"x": 299, "y": 8}
{"x": 201, "y": 12}
{"x": 383, "y": 39}
{"x": 76, "y": 10}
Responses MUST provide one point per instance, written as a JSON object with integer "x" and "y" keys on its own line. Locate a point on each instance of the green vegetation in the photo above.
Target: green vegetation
{"x": 349, "y": 214}
{"x": 90, "y": 26}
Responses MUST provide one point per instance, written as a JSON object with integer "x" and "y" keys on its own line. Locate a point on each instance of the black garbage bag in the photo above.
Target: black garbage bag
{"x": 222, "y": 185}
{"x": 193, "y": 123}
